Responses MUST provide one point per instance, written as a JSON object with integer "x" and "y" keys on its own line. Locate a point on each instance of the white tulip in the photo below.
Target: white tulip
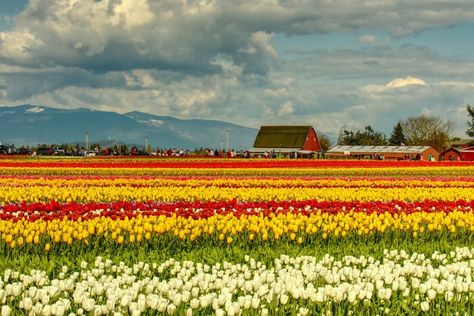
{"x": 425, "y": 306}
{"x": 88, "y": 304}
{"x": 449, "y": 296}
{"x": 185, "y": 296}
{"x": 194, "y": 303}
{"x": 230, "y": 310}
{"x": 6, "y": 310}
{"x": 431, "y": 294}
{"x": 125, "y": 300}
{"x": 162, "y": 305}
{"x": 37, "y": 308}
{"x": 284, "y": 299}
{"x": 46, "y": 311}
{"x": 171, "y": 309}
{"x": 255, "y": 302}
{"x": 189, "y": 312}
{"x": 27, "y": 303}
{"x": 247, "y": 303}
{"x": 351, "y": 296}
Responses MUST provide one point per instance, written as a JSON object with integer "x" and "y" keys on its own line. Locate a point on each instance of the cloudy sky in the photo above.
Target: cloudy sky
{"x": 325, "y": 63}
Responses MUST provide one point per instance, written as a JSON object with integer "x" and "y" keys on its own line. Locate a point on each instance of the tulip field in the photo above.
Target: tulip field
{"x": 205, "y": 236}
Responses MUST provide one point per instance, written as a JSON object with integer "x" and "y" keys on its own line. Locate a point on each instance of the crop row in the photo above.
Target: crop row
{"x": 236, "y": 182}
{"x": 218, "y": 163}
{"x": 227, "y": 228}
{"x": 201, "y": 210}
{"x": 173, "y": 194}
{"x": 391, "y": 171}
{"x": 398, "y": 283}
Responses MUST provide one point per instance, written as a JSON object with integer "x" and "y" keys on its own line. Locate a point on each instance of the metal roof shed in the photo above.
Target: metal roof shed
{"x": 387, "y": 152}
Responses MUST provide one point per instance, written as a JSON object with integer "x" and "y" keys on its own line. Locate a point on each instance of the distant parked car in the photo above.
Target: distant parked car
{"x": 89, "y": 153}
{"x": 23, "y": 151}
{"x": 58, "y": 151}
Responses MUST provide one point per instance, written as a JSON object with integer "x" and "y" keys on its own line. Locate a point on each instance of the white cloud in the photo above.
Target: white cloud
{"x": 394, "y": 84}
{"x": 280, "y": 92}
{"x": 18, "y": 45}
{"x": 215, "y": 59}
{"x": 286, "y": 108}
{"x": 367, "y": 39}
{"x": 133, "y": 13}
{"x": 403, "y": 82}
{"x": 169, "y": 34}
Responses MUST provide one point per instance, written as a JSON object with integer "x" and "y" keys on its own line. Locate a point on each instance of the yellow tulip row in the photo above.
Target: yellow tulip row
{"x": 466, "y": 171}
{"x": 232, "y": 182}
{"x": 228, "y": 228}
{"x": 173, "y": 194}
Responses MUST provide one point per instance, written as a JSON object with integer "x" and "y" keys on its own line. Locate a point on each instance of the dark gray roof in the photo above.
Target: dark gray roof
{"x": 281, "y": 136}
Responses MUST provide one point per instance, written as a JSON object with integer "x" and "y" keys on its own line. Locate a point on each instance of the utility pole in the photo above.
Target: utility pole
{"x": 87, "y": 140}
{"x": 227, "y": 132}
{"x": 146, "y": 143}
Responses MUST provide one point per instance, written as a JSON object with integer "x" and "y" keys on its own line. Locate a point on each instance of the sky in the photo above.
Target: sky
{"x": 331, "y": 64}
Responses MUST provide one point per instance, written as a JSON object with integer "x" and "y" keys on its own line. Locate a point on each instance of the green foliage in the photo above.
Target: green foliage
{"x": 213, "y": 251}
{"x": 367, "y": 137}
{"x": 397, "y": 138}
{"x": 123, "y": 149}
{"x": 470, "y": 124}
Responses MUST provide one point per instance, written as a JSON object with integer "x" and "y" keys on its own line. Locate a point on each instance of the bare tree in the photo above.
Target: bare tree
{"x": 324, "y": 141}
{"x": 424, "y": 130}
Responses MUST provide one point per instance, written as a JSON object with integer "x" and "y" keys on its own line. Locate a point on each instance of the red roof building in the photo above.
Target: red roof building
{"x": 287, "y": 138}
{"x": 458, "y": 154}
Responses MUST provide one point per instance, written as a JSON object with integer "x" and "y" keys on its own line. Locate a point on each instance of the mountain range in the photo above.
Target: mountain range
{"x": 36, "y": 124}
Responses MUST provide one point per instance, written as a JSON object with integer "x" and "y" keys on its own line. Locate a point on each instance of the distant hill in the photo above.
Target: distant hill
{"x": 33, "y": 124}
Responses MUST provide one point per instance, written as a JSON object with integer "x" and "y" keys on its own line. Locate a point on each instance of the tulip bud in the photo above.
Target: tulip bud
{"x": 6, "y": 310}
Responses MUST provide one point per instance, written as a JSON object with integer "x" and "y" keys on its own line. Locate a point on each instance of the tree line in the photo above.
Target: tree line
{"x": 421, "y": 130}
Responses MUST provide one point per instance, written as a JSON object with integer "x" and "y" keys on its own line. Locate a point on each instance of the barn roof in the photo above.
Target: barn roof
{"x": 281, "y": 136}
{"x": 459, "y": 149}
{"x": 379, "y": 149}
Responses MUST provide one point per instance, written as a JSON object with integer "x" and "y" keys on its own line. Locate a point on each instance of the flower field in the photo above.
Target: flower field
{"x": 235, "y": 237}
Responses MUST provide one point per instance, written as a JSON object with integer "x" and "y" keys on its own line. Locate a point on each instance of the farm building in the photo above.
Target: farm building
{"x": 458, "y": 154}
{"x": 287, "y": 140}
{"x": 384, "y": 152}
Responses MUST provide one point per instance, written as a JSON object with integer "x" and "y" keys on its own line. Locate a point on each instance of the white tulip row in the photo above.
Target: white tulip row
{"x": 398, "y": 283}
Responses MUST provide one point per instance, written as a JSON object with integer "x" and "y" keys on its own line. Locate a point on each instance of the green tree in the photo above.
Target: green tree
{"x": 123, "y": 149}
{"x": 470, "y": 124}
{"x": 95, "y": 147}
{"x": 397, "y": 138}
{"x": 367, "y": 137}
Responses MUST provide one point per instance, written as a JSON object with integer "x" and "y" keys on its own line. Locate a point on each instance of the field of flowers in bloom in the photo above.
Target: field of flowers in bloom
{"x": 235, "y": 237}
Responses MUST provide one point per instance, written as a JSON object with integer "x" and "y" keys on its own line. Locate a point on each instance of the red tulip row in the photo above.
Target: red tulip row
{"x": 221, "y": 163}
{"x": 201, "y": 210}
{"x": 210, "y": 178}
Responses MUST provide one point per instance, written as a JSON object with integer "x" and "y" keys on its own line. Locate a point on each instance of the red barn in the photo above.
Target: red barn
{"x": 287, "y": 139}
{"x": 458, "y": 154}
